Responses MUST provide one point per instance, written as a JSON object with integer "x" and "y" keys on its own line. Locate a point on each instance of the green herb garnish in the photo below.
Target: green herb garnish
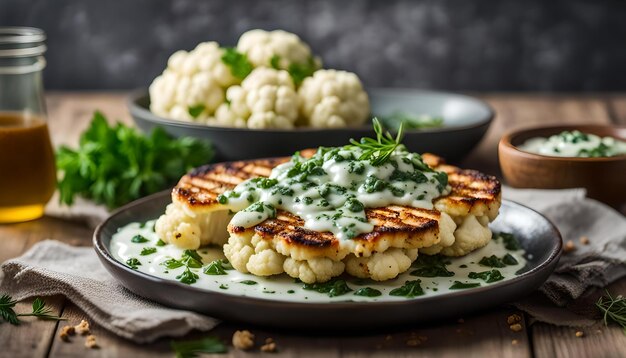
{"x": 188, "y": 277}
{"x": 333, "y": 287}
{"x": 378, "y": 150}
{"x": 248, "y": 282}
{"x": 487, "y": 276}
{"x": 216, "y": 267}
{"x": 238, "y": 63}
{"x": 8, "y": 314}
{"x": 148, "y": 251}
{"x": 195, "y": 111}
{"x": 510, "y": 242}
{"x": 410, "y": 289}
{"x": 191, "y": 349}
{"x": 430, "y": 266}
{"x": 367, "y": 292}
{"x": 458, "y": 285}
{"x": 300, "y": 71}
{"x": 613, "y": 309}
{"x": 114, "y": 165}
{"x": 160, "y": 243}
{"x": 138, "y": 239}
{"x": 133, "y": 263}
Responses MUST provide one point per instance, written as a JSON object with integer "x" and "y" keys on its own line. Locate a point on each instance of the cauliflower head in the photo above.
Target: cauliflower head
{"x": 473, "y": 233}
{"x": 250, "y": 253}
{"x": 189, "y": 230}
{"x": 192, "y": 86}
{"x": 265, "y": 99}
{"x": 333, "y": 99}
{"x": 320, "y": 269}
{"x": 279, "y": 49}
{"x": 381, "y": 266}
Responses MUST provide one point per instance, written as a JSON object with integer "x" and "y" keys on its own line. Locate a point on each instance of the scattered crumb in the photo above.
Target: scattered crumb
{"x": 569, "y": 246}
{"x": 584, "y": 240}
{"x": 82, "y": 328}
{"x": 514, "y": 342}
{"x": 579, "y": 334}
{"x": 91, "y": 341}
{"x": 460, "y": 320}
{"x": 66, "y": 332}
{"x": 269, "y": 347}
{"x": 516, "y": 327}
{"x": 243, "y": 340}
{"x": 514, "y": 318}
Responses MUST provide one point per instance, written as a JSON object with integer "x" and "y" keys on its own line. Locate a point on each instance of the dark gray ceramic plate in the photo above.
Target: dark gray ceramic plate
{"x": 466, "y": 120}
{"x": 536, "y": 234}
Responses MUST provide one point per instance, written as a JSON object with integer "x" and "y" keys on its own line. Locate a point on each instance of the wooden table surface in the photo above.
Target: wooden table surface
{"x": 479, "y": 335}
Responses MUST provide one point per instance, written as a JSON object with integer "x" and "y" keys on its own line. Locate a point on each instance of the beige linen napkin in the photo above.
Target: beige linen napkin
{"x": 53, "y": 268}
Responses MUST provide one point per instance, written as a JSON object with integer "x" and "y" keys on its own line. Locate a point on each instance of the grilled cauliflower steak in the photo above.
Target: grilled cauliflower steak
{"x": 283, "y": 242}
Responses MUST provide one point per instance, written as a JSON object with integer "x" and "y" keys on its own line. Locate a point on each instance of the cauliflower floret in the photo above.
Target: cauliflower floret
{"x": 265, "y": 99}
{"x": 319, "y": 269}
{"x": 261, "y": 47}
{"x": 472, "y": 234}
{"x": 332, "y": 99}
{"x": 189, "y": 230}
{"x": 250, "y": 253}
{"x": 381, "y": 266}
{"x": 238, "y": 251}
{"x": 192, "y": 86}
{"x": 447, "y": 226}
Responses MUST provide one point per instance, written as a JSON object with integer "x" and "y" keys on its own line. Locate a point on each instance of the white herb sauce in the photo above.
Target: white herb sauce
{"x": 575, "y": 144}
{"x": 284, "y": 288}
{"x": 330, "y": 190}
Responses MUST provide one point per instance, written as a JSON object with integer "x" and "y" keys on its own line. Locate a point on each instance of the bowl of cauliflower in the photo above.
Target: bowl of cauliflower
{"x": 270, "y": 96}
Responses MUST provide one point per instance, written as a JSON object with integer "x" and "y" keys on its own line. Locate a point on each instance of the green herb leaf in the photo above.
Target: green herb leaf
{"x": 458, "y": 285}
{"x": 172, "y": 263}
{"x": 430, "y": 266}
{"x": 613, "y": 309}
{"x": 248, "y": 282}
{"x": 510, "y": 242}
{"x": 138, "y": 239}
{"x": 160, "y": 243}
{"x": 133, "y": 263}
{"x": 378, "y": 151}
{"x": 6, "y": 310}
{"x": 275, "y": 62}
{"x": 41, "y": 311}
{"x": 195, "y": 111}
{"x": 216, "y": 267}
{"x": 300, "y": 71}
{"x": 238, "y": 63}
{"x": 148, "y": 251}
{"x": 191, "y": 349}
{"x": 332, "y": 288}
{"x": 116, "y": 164}
{"x": 410, "y": 289}
{"x": 188, "y": 277}
{"x": 367, "y": 292}
{"x": 191, "y": 258}
{"x": 487, "y": 276}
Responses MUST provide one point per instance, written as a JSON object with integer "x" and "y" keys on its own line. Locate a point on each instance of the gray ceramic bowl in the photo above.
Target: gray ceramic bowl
{"x": 536, "y": 234}
{"x": 466, "y": 120}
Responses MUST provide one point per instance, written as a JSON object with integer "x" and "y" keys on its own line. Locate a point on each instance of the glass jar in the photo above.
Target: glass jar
{"x": 27, "y": 170}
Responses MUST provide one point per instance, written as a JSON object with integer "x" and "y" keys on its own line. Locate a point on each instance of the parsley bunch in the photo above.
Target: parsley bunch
{"x": 114, "y": 165}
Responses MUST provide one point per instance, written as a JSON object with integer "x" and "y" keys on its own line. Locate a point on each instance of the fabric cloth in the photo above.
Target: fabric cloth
{"x": 53, "y": 268}
{"x": 567, "y": 297}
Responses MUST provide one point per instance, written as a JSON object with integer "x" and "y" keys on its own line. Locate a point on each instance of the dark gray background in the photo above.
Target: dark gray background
{"x": 476, "y": 45}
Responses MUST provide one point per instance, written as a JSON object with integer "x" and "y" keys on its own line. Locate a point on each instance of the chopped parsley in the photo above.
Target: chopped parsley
{"x": 133, "y": 263}
{"x": 139, "y": 239}
{"x": 458, "y": 285}
{"x": 367, "y": 292}
{"x": 487, "y": 276}
{"x": 410, "y": 289}
{"x": 333, "y": 288}
{"x": 148, "y": 251}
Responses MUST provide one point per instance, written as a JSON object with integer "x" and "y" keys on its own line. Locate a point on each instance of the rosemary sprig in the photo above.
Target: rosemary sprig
{"x": 378, "y": 150}
{"x": 7, "y": 303}
{"x": 613, "y": 309}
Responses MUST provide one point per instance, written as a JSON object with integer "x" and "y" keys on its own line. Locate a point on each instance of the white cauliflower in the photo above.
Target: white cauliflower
{"x": 189, "y": 230}
{"x": 320, "y": 269}
{"x": 250, "y": 253}
{"x": 472, "y": 234}
{"x": 447, "y": 226}
{"x": 333, "y": 99}
{"x": 277, "y": 48}
{"x": 265, "y": 99}
{"x": 381, "y": 266}
{"x": 192, "y": 86}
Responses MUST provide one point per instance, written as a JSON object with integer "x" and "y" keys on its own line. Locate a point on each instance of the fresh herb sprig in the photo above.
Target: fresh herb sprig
{"x": 379, "y": 150}
{"x": 114, "y": 165}
{"x": 191, "y": 349}
{"x": 40, "y": 310}
{"x": 613, "y": 309}
{"x": 238, "y": 63}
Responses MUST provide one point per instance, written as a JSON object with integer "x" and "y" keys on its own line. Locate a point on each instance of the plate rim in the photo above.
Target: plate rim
{"x": 103, "y": 252}
{"x": 137, "y": 110}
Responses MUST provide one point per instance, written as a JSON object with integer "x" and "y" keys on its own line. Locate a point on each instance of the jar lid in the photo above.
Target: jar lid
{"x": 22, "y": 42}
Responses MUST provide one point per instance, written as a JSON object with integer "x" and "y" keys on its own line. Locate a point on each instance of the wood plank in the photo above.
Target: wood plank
{"x": 598, "y": 341}
{"x": 514, "y": 111}
{"x": 617, "y": 107}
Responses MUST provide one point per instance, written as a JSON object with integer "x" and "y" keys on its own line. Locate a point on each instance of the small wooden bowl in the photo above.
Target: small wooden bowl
{"x": 604, "y": 178}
